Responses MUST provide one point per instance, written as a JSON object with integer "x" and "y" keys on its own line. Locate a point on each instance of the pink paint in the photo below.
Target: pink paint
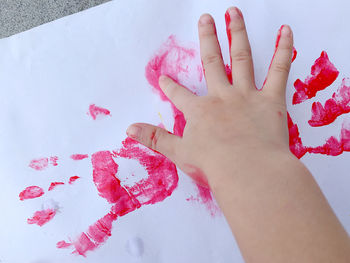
{"x": 160, "y": 184}
{"x": 78, "y": 157}
{"x": 196, "y": 174}
{"x": 170, "y": 60}
{"x": 333, "y": 146}
{"x": 72, "y": 179}
{"x": 54, "y": 184}
{"x": 295, "y": 144}
{"x": 337, "y": 105}
{"x": 276, "y": 47}
{"x": 228, "y": 30}
{"x": 229, "y": 73}
{"x": 42, "y": 217}
{"x": 31, "y": 192}
{"x": 53, "y": 160}
{"x": 323, "y": 74}
{"x": 206, "y": 198}
{"x": 63, "y": 244}
{"x": 39, "y": 164}
{"x": 200, "y": 73}
{"x": 295, "y": 53}
{"x": 95, "y": 111}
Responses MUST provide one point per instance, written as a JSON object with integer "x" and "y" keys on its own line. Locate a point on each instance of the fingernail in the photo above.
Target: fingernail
{"x": 235, "y": 12}
{"x": 134, "y": 131}
{"x": 286, "y": 31}
{"x": 206, "y": 19}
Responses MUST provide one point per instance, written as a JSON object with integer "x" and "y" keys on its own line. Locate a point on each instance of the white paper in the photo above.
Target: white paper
{"x": 51, "y": 74}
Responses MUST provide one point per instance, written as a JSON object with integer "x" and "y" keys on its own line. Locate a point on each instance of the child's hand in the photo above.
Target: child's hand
{"x": 236, "y": 140}
{"x": 233, "y": 124}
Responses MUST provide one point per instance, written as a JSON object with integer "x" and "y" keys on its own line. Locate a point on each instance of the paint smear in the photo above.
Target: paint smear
{"x": 334, "y": 107}
{"x": 295, "y": 143}
{"x": 333, "y": 146}
{"x": 72, "y": 179}
{"x": 323, "y": 74}
{"x": 39, "y": 164}
{"x": 170, "y": 60}
{"x": 31, "y": 192}
{"x": 53, "y": 160}
{"x": 78, "y": 157}
{"x": 42, "y": 217}
{"x": 161, "y": 182}
{"x": 95, "y": 111}
{"x": 54, "y": 184}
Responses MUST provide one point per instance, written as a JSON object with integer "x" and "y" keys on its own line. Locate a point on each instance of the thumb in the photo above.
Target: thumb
{"x": 155, "y": 138}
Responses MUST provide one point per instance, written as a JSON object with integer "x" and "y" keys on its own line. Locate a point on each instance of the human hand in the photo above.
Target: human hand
{"x": 232, "y": 124}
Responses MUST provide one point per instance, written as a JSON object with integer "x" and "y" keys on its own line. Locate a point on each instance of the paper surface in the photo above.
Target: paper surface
{"x": 53, "y": 79}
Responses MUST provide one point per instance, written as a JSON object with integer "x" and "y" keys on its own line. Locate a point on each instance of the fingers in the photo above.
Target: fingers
{"x": 155, "y": 138}
{"x": 277, "y": 77}
{"x": 177, "y": 94}
{"x": 241, "y": 55}
{"x": 213, "y": 64}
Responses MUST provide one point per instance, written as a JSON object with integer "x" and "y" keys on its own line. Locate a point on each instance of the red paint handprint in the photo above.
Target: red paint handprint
{"x": 323, "y": 74}
{"x": 162, "y": 174}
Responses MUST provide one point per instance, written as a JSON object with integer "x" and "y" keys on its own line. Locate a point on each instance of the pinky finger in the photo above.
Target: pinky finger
{"x": 154, "y": 137}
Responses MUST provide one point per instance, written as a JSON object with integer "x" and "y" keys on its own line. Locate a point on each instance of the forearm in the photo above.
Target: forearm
{"x": 277, "y": 211}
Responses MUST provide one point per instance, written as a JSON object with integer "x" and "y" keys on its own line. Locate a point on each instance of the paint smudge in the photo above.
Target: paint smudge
{"x": 31, "y": 192}
{"x": 333, "y": 146}
{"x": 295, "y": 143}
{"x": 229, "y": 73}
{"x": 42, "y": 163}
{"x": 170, "y": 60}
{"x": 72, "y": 179}
{"x": 78, "y": 157}
{"x": 196, "y": 174}
{"x": 53, "y": 160}
{"x": 323, "y": 74}
{"x": 95, "y": 111}
{"x": 39, "y": 164}
{"x": 42, "y": 217}
{"x": 54, "y": 184}
{"x": 295, "y": 53}
{"x": 161, "y": 182}
{"x": 334, "y": 107}
{"x": 63, "y": 244}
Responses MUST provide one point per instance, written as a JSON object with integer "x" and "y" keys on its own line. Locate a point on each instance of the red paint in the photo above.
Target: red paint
{"x": 54, "y": 184}
{"x": 160, "y": 184}
{"x": 31, "y": 192}
{"x": 53, "y": 160}
{"x": 95, "y": 111}
{"x": 229, "y": 73}
{"x": 295, "y": 144}
{"x": 274, "y": 53}
{"x": 196, "y": 174}
{"x": 170, "y": 60}
{"x": 63, "y": 244}
{"x": 337, "y": 105}
{"x": 206, "y": 198}
{"x": 42, "y": 217}
{"x": 294, "y": 54}
{"x": 39, "y": 164}
{"x": 228, "y": 30}
{"x": 78, "y": 157}
{"x": 323, "y": 74}
{"x": 333, "y": 146}
{"x": 72, "y": 179}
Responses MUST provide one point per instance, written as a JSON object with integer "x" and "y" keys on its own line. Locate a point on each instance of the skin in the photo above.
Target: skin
{"x": 237, "y": 137}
